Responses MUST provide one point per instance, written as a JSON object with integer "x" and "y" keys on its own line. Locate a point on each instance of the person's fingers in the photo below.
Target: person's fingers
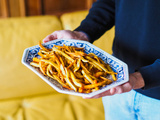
{"x": 106, "y": 93}
{"x": 50, "y": 37}
{"x": 113, "y": 91}
{"x": 126, "y": 87}
{"x": 66, "y": 34}
{"x": 58, "y": 35}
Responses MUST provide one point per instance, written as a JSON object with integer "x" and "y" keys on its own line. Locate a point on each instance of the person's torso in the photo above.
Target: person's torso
{"x": 137, "y": 32}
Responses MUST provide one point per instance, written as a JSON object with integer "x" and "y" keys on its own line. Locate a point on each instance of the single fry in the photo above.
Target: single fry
{"x": 113, "y": 74}
{"x": 42, "y": 47}
{"x": 64, "y": 54}
{"x": 69, "y": 81}
{"x": 36, "y": 60}
{"x": 35, "y": 64}
{"x": 50, "y": 62}
{"x": 55, "y": 77}
{"x": 87, "y": 77}
{"x": 97, "y": 64}
{"x": 75, "y": 80}
{"x": 77, "y": 66}
{"x": 42, "y": 67}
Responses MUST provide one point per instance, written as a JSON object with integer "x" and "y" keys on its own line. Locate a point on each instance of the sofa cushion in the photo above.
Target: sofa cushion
{"x": 16, "y": 34}
{"x": 72, "y": 20}
{"x": 53, "y": 106}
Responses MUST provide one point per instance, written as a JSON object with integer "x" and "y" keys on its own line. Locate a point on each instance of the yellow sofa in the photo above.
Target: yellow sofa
{"x": 25, "y": 96}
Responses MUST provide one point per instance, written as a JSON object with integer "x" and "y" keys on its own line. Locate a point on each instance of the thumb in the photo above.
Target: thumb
{"x": 50, "y": 37}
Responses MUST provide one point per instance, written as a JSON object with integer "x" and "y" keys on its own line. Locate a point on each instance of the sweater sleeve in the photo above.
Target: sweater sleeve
{"x": 101, "y": 18}
{"x": 151, "y": 74}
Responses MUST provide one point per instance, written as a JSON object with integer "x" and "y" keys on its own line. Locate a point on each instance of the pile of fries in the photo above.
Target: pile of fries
{"x": 73, "y": 68}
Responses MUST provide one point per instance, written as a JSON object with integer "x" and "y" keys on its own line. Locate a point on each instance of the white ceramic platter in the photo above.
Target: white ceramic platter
{"x": 118, "y": 66}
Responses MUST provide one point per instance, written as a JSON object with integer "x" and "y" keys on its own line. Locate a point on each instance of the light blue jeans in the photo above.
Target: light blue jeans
{"x": 131, "y": 106}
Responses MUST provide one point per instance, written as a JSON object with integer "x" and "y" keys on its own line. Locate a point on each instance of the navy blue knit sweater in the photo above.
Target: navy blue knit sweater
{"x": 137, "y": 36}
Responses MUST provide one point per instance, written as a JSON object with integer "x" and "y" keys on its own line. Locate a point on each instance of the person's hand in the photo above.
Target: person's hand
{"x": 135, "y": 82}
{"x": 66, "y": 34}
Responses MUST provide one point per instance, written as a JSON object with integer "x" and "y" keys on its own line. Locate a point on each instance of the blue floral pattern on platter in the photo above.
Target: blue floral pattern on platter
{"x": 116, "y": 65}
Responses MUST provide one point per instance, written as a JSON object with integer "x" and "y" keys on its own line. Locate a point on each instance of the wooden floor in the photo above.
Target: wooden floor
{"x": 21, "y": 8}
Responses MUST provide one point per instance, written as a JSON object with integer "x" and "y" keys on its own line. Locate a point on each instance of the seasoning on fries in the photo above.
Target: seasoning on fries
{"x": 73, "y": 68}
